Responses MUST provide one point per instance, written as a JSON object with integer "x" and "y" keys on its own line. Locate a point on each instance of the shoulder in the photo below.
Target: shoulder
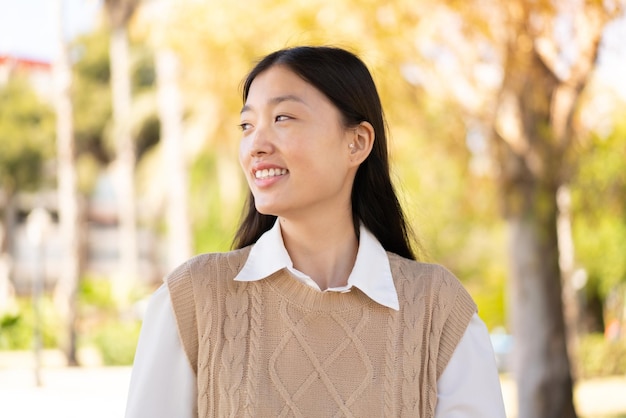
{"x": 212, "y": 264}
{"x": 407, "y": 269}
{"x": 192, "y": 283}
{"x": 414, "y": 279}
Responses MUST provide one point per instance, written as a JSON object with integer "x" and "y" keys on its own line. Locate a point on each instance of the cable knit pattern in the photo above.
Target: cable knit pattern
{"x": 204, "y": 386}
{"x": 235, "y": 334}
{"x": 256, "y": 326}
{"x": 391, "y": 365}
{"x": 279, "y": 348}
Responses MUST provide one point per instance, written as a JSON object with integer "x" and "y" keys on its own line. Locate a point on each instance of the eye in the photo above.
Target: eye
{"x": 282, "y": 118}
{"x": 244, "y": 126}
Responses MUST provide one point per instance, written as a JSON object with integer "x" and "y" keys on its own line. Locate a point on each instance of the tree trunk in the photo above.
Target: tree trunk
{"x": 7, "y": 226}
{"x": 124, "y": 164}
{"x": 66, "y": 287}
{"x": 541, "y": 364}
{"x": 531, "y": 159}
{"x": 534, "y": 131}
{"x": 170, "y": 113}
{"x": 571, "y": 300}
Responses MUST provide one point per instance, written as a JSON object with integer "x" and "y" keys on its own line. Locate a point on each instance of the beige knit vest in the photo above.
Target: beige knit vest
{"x": 278, "y": 348}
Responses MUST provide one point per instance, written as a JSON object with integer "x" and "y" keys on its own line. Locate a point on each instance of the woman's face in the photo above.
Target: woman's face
{"x": 295, "y": 151}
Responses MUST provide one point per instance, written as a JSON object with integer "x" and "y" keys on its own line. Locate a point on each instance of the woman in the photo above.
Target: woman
{"x": 320, "y": 310}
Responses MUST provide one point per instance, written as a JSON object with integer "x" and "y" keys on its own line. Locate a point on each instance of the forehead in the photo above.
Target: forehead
{"x": 280, "y": 81}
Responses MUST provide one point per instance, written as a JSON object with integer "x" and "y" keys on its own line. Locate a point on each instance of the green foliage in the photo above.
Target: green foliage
{"x": 598, "y": 357}
{"x": 214, "y": 226}
{"x": 148, "y": 134}
{"x": 143, "y": 71}
{"x": 26, "y": 136}
{"x": 92, "y": 94}
{"x": 17, "y": 329}
{"x": 8, "y": 321}
{"x": 101, "y": 326}
{"x": 13, "y": 335}
{"x": 117, "y": 342}
{"x": 96, "y": 294}
{"x": 488, "y": 288}
{"x": 599, "y": 211}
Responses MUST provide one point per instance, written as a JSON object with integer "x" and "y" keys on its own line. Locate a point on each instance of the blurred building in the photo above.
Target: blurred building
{"x": 99, "y": 236}
{"x": 37, "y": 72}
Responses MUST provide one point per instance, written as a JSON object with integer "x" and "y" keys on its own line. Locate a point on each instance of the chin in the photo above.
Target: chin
{"x": 266, "y": 210}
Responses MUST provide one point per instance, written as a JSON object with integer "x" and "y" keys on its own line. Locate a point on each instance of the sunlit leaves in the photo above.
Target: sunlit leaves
{"x": 599, "y": 200}
{"x": 26, "y": 136}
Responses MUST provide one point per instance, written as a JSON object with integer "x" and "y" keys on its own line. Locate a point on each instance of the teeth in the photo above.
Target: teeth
{"x": 272, "y": 172}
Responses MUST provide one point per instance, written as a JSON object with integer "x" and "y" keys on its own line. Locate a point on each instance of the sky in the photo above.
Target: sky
{"x": 612, "y": 58}
{"x": 28, "y": 27}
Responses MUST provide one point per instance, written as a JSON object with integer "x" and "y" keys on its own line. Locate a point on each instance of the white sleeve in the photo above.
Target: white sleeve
{"x": 469, "y": 387}
{"x": 162, "y": 383}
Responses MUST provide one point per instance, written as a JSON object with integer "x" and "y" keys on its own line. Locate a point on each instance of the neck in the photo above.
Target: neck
{"x": 325, "y": 249}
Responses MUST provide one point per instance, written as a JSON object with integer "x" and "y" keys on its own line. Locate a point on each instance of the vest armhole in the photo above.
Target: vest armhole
{"x": 461, "y": 311}
{"x": 183, "y": 303}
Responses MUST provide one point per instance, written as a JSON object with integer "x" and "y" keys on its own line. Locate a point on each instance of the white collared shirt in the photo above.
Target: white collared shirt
{"x": 371, "y": 272}
{"x": 163, "y": 383}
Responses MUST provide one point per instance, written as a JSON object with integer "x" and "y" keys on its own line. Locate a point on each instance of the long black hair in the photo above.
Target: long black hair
{"x": 345, "y": 80}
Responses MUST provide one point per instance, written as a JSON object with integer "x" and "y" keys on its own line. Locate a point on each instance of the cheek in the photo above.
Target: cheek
{"x": 244, "y": 159}
{"x": 243, "y": 153}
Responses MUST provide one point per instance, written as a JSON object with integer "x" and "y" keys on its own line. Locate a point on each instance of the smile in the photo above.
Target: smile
{"x": 271, "y": 172}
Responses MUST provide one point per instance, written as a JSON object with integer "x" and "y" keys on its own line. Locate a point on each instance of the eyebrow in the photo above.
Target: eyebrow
{"x": 276, "y": 100}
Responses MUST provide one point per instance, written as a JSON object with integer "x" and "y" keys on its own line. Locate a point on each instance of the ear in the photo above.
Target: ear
{"x": 362, "y": 142}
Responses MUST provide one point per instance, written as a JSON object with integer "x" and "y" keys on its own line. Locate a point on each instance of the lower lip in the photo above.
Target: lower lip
{"x": 266, "y": 182}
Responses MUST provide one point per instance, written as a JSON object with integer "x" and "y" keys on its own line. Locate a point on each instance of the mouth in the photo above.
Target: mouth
{"x": 269, "y": 173}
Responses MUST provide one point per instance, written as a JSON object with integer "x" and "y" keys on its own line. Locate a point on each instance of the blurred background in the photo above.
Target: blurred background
{"x": 118, "y": 160}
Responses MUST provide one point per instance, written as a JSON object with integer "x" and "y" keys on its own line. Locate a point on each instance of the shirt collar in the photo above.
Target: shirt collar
{"x": 371, "y": 272}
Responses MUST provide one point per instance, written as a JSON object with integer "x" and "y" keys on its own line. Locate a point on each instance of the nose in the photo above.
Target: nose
{"x": 260, "y": 141}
